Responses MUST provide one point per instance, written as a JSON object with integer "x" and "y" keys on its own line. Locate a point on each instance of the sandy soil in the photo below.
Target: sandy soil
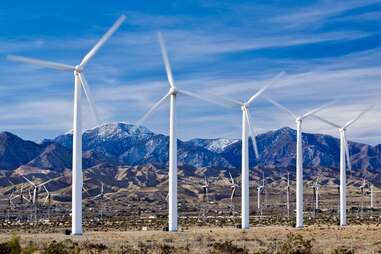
{"x": 360, "y": 238}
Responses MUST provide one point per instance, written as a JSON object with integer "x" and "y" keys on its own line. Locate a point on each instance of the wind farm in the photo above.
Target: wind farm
{"x": 191, "y": 140}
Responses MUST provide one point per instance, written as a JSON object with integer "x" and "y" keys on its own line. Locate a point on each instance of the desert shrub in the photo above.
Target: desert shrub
{"x": 295, "y": 244}
{"x": 166, "y": 249}
{"x": 30, "y": 248}
{"x": 94, "y": 248}
{"x": 227, "y": 247}
{"x": 11, "y": 247}
{"x": 343, "y": 250}
{"x": 65, "y": 247}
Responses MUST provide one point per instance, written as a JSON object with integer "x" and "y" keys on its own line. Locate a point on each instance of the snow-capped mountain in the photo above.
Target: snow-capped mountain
{"x": 126, "y": 144}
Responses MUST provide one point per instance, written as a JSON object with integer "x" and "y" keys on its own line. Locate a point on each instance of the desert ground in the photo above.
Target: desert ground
{"x": 259, "y": 239}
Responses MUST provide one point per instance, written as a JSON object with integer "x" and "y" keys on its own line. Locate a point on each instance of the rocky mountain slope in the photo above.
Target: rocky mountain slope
{"x": 122, "y": 144}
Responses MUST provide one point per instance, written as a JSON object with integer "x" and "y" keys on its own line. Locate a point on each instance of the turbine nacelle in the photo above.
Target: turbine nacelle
{"x": 172, "y": 91}
{"x": 78, "y": 69}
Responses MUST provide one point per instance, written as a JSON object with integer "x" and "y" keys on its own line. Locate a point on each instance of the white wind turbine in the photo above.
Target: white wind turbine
{"x": 101, "y": 196}
{"x": 372, "y": 196}
{"x": 79, "y": 81}
{"x": 299, "y": 155}
{"x": 233, "y": 188}
{"x": 248, "y": 129}
{"x": 288, "y": 189}
{"x": 363, "y": 193}
{"x": 316, "y": 188}
{"x": 205, "y": 188}
{"x": 260, "y": 188}
{"x": 172, "y": 95}
{"x": 345, "y": 160}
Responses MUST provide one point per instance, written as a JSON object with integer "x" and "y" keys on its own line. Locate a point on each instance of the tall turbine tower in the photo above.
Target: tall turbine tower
{"x": 79, "y": 82}
{"x": 172, "y": 95}
{"x": 299, "y": 156}
{"x": 344, "y": 157}
{"x": 247, "y": 128}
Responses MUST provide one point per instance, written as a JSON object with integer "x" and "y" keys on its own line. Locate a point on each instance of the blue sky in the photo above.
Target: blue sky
{"x": 329, "y": 50}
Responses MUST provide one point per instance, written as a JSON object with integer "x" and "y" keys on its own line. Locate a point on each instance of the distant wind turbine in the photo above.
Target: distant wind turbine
{"x": 344, "y": 157}
{"x": 79, "y": 81}
{"x": 299, "y": 155}
{"x": 260, "y": 189}
{"x": 248, "y": 129}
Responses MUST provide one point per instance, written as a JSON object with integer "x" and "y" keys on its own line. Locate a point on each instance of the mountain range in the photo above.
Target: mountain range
{"x": 122, "y": 144}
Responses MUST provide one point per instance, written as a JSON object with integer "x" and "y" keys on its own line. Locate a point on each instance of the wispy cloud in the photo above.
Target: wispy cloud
{"x": 213, "y": 52}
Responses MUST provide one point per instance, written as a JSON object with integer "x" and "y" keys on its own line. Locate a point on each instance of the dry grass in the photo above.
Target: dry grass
{"x": 324, "y": 239}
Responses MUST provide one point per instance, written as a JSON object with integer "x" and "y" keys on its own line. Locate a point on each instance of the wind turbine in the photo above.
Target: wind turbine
{"x": 205, "y": 188}
{"x": 36, "y": 189}
{"x": 362, "y": 190}
{"x": 288, "y": 195}
{"x": 248, "y": 129}
{"x": 345, "y": 160}
{"x": 372, "y": 196}
{"x": 233, "y": 188}
{"x": 316, "y": 188}
{"x": 260, "y": 188}
{"x": 172, "y": 95}
{"x": 79, "y": 81}
{"x": 299, "y": 155}
{"x": 101, "y": 197}
{"x": 34, "y": 199}
{"x": 48, "y": 200}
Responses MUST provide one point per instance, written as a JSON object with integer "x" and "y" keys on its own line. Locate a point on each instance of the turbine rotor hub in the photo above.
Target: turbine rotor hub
{"x": 172, "y": 91}
{"x": 78, "y": 69}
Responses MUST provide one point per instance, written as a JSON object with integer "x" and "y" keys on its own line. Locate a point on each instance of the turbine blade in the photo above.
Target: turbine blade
{"x": 29, "y": 181}
{"x": 85, "y": 190}
{"x": 314, "y": 111}
{"x": 347, "y": 152}
{"x": 197, "y": 96}
{"x": 43, "y": 63}
{"x": 45, "y": 200}
{"x": 272, "y": 82}
{"x": 327, "y": 121}
{"x": 97, "y": 196}
{"x": 45, "y": 188}
{"x": 358, "y": 117}
{"x": 280, "y": 106}
{"x": 224, "y": 100}
{"x": 231, "y": 178}
{"x": 50, "y": 180}
{"x": 89, "y": 97}
{"x": 103, "y": 40}
{"x": 152, "y": 109}
{"x": 166, "y": 61}
{"x": 252, "y": 134}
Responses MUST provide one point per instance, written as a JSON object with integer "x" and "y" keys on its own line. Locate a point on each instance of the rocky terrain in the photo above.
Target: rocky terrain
{"x": 131, "y": 162}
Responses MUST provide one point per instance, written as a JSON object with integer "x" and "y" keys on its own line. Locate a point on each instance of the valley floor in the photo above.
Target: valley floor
{"x": 269, "y": 239}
